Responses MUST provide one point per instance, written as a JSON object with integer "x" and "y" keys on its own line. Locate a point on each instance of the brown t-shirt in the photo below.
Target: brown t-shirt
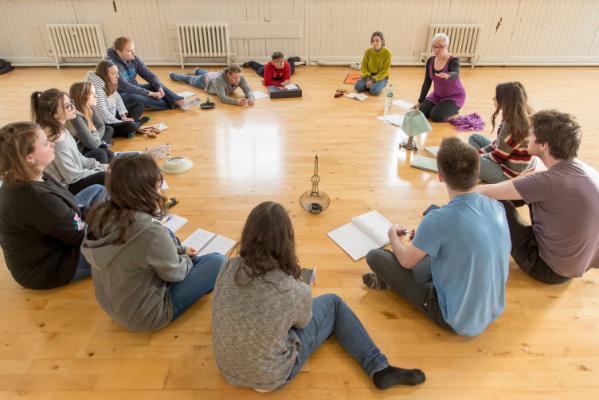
{"x": 565, "y": 212}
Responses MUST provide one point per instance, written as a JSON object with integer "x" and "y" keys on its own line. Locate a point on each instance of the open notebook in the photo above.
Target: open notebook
{"x": 209, "y": 242}
{"x": 364, "y": 233}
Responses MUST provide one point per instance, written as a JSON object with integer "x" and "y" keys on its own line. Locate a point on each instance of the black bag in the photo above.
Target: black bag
{"x": 5, "y": 67}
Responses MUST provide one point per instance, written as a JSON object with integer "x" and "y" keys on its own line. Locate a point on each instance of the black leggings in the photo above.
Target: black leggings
{"x": 525, "y": 250}
{"x": 439, "y": 112}
{"x": 103, "y": 155}
{"x": 95, "y": 179}
{"x": 127, "y": 128}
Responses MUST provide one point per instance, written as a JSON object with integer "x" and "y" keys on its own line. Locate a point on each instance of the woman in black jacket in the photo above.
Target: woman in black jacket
{"x": 41, "y": 223}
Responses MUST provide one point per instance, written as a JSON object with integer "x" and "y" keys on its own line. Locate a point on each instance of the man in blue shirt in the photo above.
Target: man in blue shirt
{"x": 455, "y": 269}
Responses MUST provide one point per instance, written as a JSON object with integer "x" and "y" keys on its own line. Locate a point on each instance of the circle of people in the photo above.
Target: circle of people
{"x": 78, "y": 220}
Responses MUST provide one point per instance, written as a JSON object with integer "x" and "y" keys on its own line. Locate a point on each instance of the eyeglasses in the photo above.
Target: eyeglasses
{"x": 69, "y": 106}
{"x": 439, "y": 46}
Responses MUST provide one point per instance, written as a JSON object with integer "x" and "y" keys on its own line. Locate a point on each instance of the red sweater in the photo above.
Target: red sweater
{"x": 273, "y": 76}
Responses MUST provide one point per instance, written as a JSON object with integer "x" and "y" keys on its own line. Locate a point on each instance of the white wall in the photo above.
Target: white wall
{"x": 514, "y": 31}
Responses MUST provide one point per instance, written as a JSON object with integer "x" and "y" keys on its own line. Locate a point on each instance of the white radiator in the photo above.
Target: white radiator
{"x": 203, "y": 40}
{"x": 76, "y": 41}
{"x": 463, "y": 40}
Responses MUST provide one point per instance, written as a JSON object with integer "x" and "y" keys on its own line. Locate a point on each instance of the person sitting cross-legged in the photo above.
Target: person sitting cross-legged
{"x": 456, "y": 267}
{"x": 563, "y": 240}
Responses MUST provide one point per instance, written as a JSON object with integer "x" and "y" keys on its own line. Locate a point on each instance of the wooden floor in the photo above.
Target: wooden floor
{"x": 59, "y": 344}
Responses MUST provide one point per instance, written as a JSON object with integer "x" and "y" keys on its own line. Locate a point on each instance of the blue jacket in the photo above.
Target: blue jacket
{"x": 129, "y": 70}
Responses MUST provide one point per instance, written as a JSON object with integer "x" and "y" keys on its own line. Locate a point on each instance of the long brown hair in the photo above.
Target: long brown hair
{"x": 79, "y": 94}
{"x": 102, "y": 72}
{"x": 268, "y": 242}
{"x": 44, "y": 105}
{"x": 133, "y": 186}
{"x": 512, "y": 101}
{"x": 17, "y": 141}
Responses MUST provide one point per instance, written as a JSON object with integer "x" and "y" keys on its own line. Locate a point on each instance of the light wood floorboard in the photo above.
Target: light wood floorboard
{"x": 59, "y": 344}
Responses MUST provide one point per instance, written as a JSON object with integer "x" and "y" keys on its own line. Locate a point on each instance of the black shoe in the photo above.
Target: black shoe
{"x": 373, "y": 281}
{"x": 246, "y": 64}
{"x": 143, "y": 120}
{"x": 294, "y": 59}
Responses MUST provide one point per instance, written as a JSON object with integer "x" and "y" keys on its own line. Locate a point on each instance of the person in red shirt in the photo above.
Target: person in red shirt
{"x": 276, "y": 72}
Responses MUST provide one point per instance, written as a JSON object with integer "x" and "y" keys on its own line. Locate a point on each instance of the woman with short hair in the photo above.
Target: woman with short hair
{"x": 448, "y": 94}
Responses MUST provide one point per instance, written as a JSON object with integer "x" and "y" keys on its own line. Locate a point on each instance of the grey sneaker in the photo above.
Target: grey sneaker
{"x": 373, "y": 281}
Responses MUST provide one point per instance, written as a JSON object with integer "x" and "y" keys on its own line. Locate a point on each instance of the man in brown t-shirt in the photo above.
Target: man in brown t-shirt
{"x": 563, "y": 241}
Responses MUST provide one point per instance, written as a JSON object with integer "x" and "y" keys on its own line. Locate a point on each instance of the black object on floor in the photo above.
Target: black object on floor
{"x": 5, "y": 67}
{"x": 284, "y": 93}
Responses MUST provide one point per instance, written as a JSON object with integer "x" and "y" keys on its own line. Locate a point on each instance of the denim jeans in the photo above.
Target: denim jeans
{"x": 490, "y": 171}
{"x": 376, "y": 88}
{"x": 85, "y": 199}
{"x": 165, "y": 103}
{"x": 196, "y": 80}
{"x": 198, "y": 282}
{"x": 330, "y": 315}
{"x": 413, "y": 285}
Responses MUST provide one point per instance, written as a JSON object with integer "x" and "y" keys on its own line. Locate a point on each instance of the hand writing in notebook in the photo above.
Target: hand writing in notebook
{"x": 399, "y": 231}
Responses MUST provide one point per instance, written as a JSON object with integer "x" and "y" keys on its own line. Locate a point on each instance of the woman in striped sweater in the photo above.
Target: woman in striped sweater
{"x": 507, "y": 156}
{"x": 110, "y": 107}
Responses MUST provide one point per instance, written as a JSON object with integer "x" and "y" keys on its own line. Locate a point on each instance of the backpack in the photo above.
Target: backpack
{"x": 5, "y": 67}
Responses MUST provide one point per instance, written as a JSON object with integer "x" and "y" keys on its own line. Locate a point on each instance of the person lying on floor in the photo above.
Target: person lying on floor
{"x": 222, "y": 84}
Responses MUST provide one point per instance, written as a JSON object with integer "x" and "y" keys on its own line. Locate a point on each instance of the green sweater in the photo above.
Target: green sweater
{"x": 376, "y": 64}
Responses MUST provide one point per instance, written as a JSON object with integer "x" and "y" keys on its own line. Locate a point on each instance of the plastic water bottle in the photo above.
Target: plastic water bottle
{"x": 389, "y": 99}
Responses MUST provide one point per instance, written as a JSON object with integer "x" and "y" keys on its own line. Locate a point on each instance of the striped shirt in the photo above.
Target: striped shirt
{"x": 512, "y": 157}
{"x": 106, "y": 106}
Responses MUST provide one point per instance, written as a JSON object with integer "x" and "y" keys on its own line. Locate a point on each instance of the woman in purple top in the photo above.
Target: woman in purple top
{"x": 448, "y": 95}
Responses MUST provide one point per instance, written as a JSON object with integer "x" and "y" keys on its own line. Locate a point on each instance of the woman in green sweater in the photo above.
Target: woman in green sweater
{"x": 375, "y": 66}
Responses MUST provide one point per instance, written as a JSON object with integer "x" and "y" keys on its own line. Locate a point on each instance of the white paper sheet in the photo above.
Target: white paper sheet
{"x": 186, "y": 93}
{"x": 403, "y": 104}
{"x": 393, "y": 119}
{"x": 174, "y": 222}
{"x": 357, "y": 96}
{"x": 260, "y": 95}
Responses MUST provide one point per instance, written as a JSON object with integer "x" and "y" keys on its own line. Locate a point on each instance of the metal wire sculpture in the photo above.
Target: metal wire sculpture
{"x": 314, "y": 201}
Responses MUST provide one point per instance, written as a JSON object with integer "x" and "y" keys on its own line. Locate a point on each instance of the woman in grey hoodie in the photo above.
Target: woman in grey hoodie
{"x": 143, "y": 277}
